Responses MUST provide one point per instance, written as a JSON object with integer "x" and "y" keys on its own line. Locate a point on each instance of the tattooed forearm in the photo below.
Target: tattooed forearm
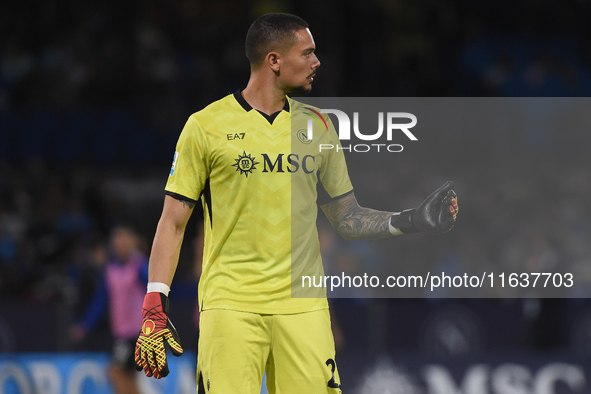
{"x": 364, "y": 223}
{"x": 188, "y": 204}
{"x": 354, "y": 222}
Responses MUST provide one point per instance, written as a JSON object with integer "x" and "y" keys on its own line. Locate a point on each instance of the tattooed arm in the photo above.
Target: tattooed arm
{"x": 188, "y": 204}
{"x": 436, "y": 215}
{"x": 354, "y": 222}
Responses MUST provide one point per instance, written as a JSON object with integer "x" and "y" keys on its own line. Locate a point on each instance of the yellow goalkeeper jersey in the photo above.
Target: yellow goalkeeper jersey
{"x": 257, "y": 178}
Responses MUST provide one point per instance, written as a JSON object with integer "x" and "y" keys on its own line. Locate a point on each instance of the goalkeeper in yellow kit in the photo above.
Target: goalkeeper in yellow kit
{"x": 237, "y": 157}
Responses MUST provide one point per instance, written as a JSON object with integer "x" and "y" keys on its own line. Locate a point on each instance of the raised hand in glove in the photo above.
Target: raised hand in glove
{"x": 436, "y": 215}
{"x": 150, "y": 352}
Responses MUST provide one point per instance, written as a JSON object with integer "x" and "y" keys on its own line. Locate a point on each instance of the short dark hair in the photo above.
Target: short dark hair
{"x": 270, "y": 31}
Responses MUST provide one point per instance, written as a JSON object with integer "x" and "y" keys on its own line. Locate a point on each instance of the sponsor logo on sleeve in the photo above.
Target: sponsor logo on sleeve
{"x": 176, "y": 155}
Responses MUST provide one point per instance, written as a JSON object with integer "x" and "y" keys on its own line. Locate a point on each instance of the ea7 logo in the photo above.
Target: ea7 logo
{"x": 235, "y": 136}
{"x": 344, "y": 123}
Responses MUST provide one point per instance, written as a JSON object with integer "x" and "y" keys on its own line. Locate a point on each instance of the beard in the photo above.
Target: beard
{"x": 300, "y": 90}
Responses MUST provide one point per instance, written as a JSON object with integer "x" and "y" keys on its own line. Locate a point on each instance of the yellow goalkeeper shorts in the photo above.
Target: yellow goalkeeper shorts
{"x": 236, "y": 348}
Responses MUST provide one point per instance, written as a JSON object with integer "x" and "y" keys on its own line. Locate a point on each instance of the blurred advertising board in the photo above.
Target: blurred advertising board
{"x": 84, "y": 373}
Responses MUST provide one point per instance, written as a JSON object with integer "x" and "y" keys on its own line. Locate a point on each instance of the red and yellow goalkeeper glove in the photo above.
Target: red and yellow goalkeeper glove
{"x": 150, "y": 352}
{"x": 436, "y": 215}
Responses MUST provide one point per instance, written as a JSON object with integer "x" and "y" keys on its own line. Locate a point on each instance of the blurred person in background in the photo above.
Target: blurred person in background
{"x": 122, "y": 288}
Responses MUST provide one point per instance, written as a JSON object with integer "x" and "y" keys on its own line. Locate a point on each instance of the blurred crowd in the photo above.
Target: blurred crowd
{"x": 162, "y": 59}
{"x": 94, "y": 94}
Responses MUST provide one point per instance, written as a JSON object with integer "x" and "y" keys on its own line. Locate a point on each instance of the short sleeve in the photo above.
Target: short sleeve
{"x": 190, "y": 166}
{"x": 334, "y": 175}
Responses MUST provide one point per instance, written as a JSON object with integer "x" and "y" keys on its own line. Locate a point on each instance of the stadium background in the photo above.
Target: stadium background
{"x": 93, "y": 96}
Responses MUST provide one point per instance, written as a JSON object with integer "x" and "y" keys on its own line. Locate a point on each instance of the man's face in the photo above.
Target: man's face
{"x": 299, "y": 64}
{"x": 123, "y": 242}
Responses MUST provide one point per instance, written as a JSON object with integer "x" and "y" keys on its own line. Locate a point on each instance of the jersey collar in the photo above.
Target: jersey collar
{"x": 247, "y": 107}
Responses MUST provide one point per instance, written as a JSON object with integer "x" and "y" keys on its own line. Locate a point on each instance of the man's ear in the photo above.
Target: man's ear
{"x": 273, "y": 59}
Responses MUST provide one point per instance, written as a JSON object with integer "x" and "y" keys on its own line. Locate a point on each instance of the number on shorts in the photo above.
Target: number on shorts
{"x": 332, "y": 383}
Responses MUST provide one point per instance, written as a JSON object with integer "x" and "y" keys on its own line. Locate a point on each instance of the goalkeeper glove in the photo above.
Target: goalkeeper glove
{"x": 436, "y": 215}
{"x": 150, "y": 353}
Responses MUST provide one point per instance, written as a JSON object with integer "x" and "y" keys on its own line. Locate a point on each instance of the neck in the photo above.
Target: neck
{"x": 263, "y": 94}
